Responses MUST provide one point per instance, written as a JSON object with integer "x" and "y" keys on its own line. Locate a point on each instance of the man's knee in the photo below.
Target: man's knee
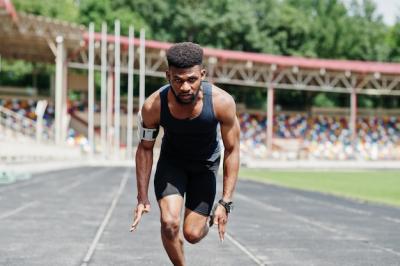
{"x": 193, "y": 235}
{"x": 170, "y": 227}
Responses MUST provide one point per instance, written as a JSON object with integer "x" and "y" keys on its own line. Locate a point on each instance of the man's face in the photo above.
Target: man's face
{"x": 185, "y": 82}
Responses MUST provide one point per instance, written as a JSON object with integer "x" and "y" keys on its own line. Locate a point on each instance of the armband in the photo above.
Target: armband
{"x": 149, "y": 134}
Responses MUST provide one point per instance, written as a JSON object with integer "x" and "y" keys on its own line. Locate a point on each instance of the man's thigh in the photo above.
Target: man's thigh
{"x": 170, "y": 208}
{"x": 170, "y": 182}
{"x": 194, "y": 221}
{"x": 169, "y": 179}
{"x": 201, "y": 188}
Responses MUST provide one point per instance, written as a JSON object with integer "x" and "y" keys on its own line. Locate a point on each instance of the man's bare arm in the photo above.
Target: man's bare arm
{"x": 144, "y": 160}
{"x": 230, "y": 132}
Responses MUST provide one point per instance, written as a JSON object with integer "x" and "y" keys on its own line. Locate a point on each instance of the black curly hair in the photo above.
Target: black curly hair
{"x": 184, "y": 55}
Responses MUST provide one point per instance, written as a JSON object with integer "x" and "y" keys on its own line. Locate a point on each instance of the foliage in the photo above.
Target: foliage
{"x": 67, "y": 10}
{"x": 322, "y": 100}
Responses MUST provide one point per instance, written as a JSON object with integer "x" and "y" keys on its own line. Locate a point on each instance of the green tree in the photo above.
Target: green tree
{"x": 393, "y": 40}
{"x": 365, "y": 34}
{"x": 99, "y": 11}
{"x": 66, "y": 10}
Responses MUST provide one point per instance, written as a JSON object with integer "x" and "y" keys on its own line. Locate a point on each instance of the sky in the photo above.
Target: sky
{"x": 388, "y": 8}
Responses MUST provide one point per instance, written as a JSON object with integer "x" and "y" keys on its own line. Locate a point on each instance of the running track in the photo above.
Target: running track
{"x": 81, "y": 216}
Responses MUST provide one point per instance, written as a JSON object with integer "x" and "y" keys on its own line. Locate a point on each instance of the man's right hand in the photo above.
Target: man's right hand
{"x": 141, "y": 208}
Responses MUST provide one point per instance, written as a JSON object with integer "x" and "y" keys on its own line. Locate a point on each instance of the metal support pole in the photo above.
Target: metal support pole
{"x": 110, "y": 130}
{"x": 353, "y": 117}
{"x": 65, "y": 117}
{"x": 117, "y": 91}
{"x": 270, "y": 117}
{"x": 130, "y": 95}
{"x": 142, "y": 69}
{"x": 39, "y": 111}
{"x": 103, "y": 132}
{"x": 59, "y": 89}
{"x": 91, "y": 90}
{"x": 39, "y": 129}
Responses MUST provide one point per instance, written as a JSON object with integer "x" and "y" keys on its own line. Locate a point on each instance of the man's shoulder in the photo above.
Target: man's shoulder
{"x": 224, "y": 104}
{"x": 153, "y": 102}
{"x": 221, "y": 97}
{"x": 151, "y": 109}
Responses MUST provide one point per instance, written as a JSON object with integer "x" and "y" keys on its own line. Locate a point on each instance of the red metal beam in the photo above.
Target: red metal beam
{"x": 362, "y": 67}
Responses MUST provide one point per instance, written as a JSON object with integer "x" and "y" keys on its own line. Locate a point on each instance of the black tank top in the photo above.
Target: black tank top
{"x": 190, "y": 139}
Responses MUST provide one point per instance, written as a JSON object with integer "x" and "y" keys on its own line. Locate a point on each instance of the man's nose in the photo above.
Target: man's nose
{"x": 185, "y": 87}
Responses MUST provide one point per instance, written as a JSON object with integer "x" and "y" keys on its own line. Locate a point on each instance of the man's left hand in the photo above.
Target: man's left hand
{"x": 220, "y": 219}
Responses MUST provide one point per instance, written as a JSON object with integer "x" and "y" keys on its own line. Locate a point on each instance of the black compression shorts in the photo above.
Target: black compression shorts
{"x": 196, "y": 180}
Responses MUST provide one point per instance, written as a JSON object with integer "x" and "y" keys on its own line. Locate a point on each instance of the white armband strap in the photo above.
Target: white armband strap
{"x": 149, "y": 134}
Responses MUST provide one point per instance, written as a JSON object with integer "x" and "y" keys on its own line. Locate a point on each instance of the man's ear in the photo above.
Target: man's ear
{"x": 203, "y": 73}
{"x": 167, "y": 75}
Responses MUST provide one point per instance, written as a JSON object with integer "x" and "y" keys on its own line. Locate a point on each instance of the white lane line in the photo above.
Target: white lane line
{"x": 18, "y": 185}
{"x": 81, "y": 181}
{"x": 106, "y": 219}
{"x": 245, "y": 250}
{"x": 38, "y": 179}
{"x": 264, "y": 206}
{"x": 19, "y": 209}
{"x": 320, "y": 225}
{"x": 242, "y": 247}
{"x": 70, "y": 186}
{"x": 348, "y": 209}
{"x": 392, "y": 219}
{"x": 332, "y": 205}
{"x": 384, "y": 249}
{"x": 339, "y": 207}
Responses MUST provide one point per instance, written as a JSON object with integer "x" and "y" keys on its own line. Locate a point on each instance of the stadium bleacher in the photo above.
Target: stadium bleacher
{"x": 324, "y": 137}
{"x": 26, "y": 107}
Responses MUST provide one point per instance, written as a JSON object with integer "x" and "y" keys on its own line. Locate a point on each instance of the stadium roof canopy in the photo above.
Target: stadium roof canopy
{"x": 32, "y": 38}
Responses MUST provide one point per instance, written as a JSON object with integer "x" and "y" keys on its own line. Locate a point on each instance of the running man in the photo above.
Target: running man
{"x": 189, "y": 110}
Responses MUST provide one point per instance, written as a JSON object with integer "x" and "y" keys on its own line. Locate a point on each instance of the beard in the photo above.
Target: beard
{"x": 188, "y": 100}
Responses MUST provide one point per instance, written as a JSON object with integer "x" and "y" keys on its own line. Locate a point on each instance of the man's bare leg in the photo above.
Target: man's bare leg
{"x": 195, "y": 226}
{"x": 170, "y": 208}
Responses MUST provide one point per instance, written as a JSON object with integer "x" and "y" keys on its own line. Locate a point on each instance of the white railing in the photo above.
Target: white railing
{"x": 25, "y": 126}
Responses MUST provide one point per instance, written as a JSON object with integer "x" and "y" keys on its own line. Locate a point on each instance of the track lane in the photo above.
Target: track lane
{"x": 55, "y": 221}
